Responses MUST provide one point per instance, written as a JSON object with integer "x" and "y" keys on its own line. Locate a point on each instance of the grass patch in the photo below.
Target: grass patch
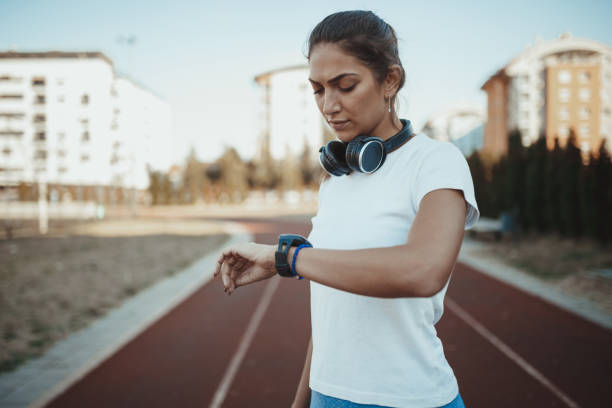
{"x": 52, "y": 286}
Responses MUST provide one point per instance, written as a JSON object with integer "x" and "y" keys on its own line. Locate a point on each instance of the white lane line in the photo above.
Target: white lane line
{"x": 511, "y": 354}
{"x": 245, "y": 342}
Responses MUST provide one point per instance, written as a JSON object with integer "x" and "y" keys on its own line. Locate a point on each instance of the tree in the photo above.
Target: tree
{"x": 554, "y": 178}
{"x": 535, "y": 185}
{"x": 514, "y": 201}
{"x": 481, "y": 184}
{"x": 233, "y": 175}
{"x": 194, "y": 178}
{"x": 602, "y": 171}
{"x": 570, "y": 209}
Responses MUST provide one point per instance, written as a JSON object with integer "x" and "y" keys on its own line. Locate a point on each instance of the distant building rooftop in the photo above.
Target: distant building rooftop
{"x": 55, "y": 54}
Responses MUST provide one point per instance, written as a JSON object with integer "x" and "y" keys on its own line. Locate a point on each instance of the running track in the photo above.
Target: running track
{"x": 507, "y": 348}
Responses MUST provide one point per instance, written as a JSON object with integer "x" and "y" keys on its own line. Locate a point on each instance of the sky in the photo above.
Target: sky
{"x": 201, "y": 56}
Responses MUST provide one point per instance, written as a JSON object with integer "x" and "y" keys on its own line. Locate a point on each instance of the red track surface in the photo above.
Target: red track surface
{"x": 180, "y": 360}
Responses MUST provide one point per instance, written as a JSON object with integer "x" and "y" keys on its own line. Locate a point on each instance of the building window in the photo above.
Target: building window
{"x": 9, "y": 132}
{"x": 584, "y": 77}
{"x": 62, "y": 169}
{"x": 38, "y": 81}
{"x": 84, "y": 157}
{"x": 564, "y": 113}
{"x": 525, "y": 96}
{"x": 585, "y": 146}
{"x": 85, "y": 99}
{"x": 41, "y": 136}
{"x": 60, "y": 81}
{"x": 39, "y": 118}
{"x": 8, "y": 78}
{"x": 564, "y": 94}
{"x": 6, "y": 151}
{"x": 525, "y": 115}
{"x": 585, "y": 94}
{"x": 11, "y": 96}
{"x": 85, "y": 136}
{"x": 563, "y": 131}
{"x": 11, "y": 115}
{"x": 584, "y": 130}
{"x": 61, "y": 98}
{"x": 585, "y": 112}
{"x": 61, "y": 153}
{"x": 39, "y": 100}
{"x": 40, "y": 154}
{"x": 564, "y": 76}
{"x": 61, "y": 136}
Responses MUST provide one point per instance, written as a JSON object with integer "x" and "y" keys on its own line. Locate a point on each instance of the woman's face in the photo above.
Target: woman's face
{"x": 346, "y": 92}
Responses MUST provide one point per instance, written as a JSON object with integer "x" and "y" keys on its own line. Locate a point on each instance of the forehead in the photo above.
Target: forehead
{"x": 329, "y": 60}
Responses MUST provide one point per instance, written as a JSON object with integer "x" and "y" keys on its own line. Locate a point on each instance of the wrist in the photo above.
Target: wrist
{"x": 290, "y": 255}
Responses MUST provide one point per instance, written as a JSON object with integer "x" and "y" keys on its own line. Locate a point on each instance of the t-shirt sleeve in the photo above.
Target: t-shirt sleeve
{"x": 444, "y": 166}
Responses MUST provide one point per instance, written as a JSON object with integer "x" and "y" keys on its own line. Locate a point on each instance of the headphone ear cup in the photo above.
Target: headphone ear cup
{"x": 352, "y": 152}
{"x": 332, "y": 158}
{"x": 366, "y": 151}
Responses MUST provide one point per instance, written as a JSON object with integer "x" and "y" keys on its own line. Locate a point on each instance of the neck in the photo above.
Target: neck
{"x": 390, "y": 126}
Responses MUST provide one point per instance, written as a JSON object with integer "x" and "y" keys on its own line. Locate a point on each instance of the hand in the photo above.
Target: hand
{"x": 245, "y": 263}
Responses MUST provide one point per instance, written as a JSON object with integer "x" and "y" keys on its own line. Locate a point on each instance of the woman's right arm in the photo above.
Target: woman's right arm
{"x": 302, "y": 396}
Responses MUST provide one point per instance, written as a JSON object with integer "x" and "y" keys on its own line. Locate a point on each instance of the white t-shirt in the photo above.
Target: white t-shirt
{"x": 374, "y": 350}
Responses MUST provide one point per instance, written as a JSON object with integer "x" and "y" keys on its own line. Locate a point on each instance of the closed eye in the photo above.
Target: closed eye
{"x": 348, "y": 89}
{"x": 342, "y": 89}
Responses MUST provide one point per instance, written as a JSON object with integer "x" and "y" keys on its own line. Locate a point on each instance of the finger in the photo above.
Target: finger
{"x": 220, "y": 261}
{"x": 225, "y": 256}
{"x": 225, "y": 275}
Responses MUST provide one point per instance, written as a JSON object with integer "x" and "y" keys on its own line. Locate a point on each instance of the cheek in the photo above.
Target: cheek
{"x": 362, "y": 103}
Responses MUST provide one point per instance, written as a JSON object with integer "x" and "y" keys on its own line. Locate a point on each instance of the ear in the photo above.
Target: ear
{"x": 393, "y": 79}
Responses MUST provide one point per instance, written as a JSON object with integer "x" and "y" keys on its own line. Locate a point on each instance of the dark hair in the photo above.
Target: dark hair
{"x": 365, "y": 36}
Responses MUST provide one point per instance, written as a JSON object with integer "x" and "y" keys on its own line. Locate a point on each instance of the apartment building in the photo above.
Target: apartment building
{"x": 550, "y": 88}
{"x": 68, "y": 119}
{"x": 461, "y": 125}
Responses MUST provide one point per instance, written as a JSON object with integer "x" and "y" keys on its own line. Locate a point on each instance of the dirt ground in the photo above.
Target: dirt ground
{"x": 53, "y": 285}
{"x": 569, "y": 264}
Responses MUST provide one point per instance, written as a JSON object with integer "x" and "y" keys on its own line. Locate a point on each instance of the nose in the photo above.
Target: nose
{"x": 331, "y": 104}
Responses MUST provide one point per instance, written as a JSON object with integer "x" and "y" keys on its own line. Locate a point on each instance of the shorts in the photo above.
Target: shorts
{"x": 318, "y": 400}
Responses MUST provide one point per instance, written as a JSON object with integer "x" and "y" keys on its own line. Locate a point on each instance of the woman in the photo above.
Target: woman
{"x": 384, "y": 242}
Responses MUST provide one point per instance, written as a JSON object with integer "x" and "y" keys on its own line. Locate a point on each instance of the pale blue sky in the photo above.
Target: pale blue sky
{"x": 201, "y": 56}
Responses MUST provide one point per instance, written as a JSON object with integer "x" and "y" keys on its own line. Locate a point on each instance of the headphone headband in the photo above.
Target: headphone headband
{"x": 399, "y": 139}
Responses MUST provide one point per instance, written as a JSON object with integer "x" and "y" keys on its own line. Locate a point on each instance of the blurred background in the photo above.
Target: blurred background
{"x": 134, "y": 130}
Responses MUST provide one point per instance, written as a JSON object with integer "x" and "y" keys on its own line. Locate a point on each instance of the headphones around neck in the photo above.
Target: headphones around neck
{"x": 364, "y": 154}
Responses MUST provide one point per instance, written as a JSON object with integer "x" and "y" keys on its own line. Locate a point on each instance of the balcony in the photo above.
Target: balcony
{"x": 11, "y": 132}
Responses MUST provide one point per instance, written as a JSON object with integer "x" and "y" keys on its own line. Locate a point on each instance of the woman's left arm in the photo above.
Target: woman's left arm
{"x": 418, "y": 268}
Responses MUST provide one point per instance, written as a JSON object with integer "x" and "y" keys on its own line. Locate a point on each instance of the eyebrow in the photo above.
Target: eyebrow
{"x": 335, "y": 79}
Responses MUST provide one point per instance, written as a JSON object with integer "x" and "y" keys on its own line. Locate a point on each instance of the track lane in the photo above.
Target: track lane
{"x": 179, "y": 361}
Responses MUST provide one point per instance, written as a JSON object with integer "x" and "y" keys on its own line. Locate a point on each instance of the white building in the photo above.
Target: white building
{"x": 453, "y": 123}
{"x": 289, "y": 116}
{"x": 68, "y": 119}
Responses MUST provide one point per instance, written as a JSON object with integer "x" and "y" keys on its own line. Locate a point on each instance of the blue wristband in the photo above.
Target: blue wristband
{"x": 293, "y": 271}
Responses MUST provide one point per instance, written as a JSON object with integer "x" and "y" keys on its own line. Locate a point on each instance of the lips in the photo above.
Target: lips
{"x": 339, "y": 124}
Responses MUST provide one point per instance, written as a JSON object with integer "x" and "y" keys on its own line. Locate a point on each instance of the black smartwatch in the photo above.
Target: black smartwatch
{"x": 286, "y": 241}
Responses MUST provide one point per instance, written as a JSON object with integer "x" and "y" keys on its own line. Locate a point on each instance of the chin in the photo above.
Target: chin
{"x": 345, "y": 136}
